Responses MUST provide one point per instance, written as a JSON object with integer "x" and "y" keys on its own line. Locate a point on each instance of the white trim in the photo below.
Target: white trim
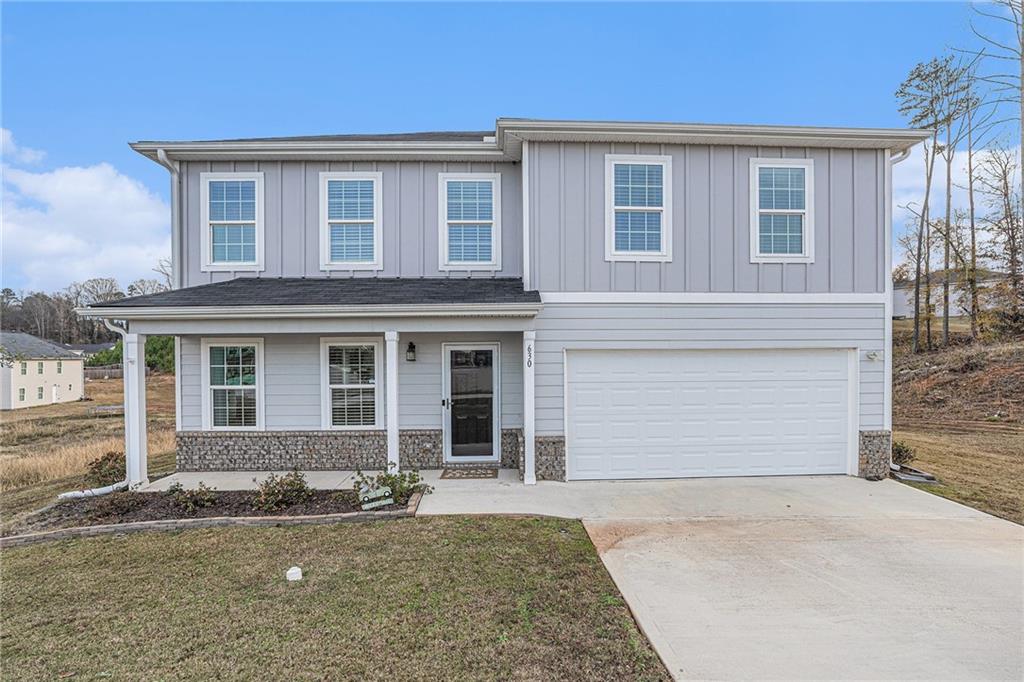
{"x": 443, "y": 263}
{"x": 610, "y": 254}
{"x": 391, "y": 380}
{"x": 326, "y": 263}
{"x": 853, "y": 407}
{"x": 525, "y": 191}
{"x": 663, "y": 298}
{"x": 177, "y": 383}
{"x": 887, "y": 331}
{"x": 807, "y": 255}
{"x": 529, "y": 407}
{"x": 317, "y": 311}
{"x": 325, "y": 380}
{"x": 205, "y": 344}
{"x": 134, "y": 378}
{"x": 446, "y": 396}
{"x": 204, "y": 210}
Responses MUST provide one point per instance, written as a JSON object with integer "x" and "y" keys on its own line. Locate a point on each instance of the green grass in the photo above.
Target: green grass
{"x": 434, "y": 598}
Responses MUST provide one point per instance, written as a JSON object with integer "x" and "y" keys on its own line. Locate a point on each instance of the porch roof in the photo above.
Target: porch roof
{"x": 329, "y": 296}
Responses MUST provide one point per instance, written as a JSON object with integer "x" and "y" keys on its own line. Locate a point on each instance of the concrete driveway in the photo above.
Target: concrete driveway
{"x": 795, "y": 578}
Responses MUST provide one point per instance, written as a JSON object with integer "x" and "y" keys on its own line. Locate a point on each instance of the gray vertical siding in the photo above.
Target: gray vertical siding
{"x": 711, "y": 222}
{"x": 292, "y": 215}
{"x": 292, "y": 380}
{"x": 704, "y": 326}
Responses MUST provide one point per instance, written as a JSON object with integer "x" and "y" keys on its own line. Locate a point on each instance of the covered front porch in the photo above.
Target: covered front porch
{"x": 330, "y": 389}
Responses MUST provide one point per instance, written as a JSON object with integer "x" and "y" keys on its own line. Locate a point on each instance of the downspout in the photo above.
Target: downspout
{"x": 120, "y": 485}
{"x": 176, "y": 258}
{"x": 887, "y": 372}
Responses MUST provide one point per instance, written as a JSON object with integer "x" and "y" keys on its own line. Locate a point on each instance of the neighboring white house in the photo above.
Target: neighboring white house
{"x": 36, "y": 372}
{"x": 571, "y": 299}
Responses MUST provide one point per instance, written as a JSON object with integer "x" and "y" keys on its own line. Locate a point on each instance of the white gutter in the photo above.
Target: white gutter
{"x": 176, "y": 256}
{"x": 311, "y": 311}
{"x": 107, "y": 489}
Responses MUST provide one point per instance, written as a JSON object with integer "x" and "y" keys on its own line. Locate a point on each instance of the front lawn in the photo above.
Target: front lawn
{"x": 425, "y": 598}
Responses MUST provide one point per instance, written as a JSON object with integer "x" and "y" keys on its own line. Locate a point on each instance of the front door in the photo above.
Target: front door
{"x": 470, "y": 402}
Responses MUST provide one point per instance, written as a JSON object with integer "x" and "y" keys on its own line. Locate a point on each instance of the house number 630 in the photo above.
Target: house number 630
{"x": 529, "y": 355}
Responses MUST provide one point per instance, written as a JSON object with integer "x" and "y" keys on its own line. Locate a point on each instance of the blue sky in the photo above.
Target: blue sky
{"x": 81, "y": 80}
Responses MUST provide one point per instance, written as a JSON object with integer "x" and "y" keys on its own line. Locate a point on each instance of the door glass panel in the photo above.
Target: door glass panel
{"x": 472, "y": 413}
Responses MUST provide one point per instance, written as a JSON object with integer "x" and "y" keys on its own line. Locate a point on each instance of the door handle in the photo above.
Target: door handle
{"x": 444, "y": 402}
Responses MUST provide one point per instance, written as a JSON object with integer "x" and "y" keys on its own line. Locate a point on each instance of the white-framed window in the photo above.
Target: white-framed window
{"x": 469, "y": 221}
{"x": 781, "y": 210}
{"x": 39, "y": 393}
{"x": 21, "y": 395}
{"x": 24, "y": 368}
{"x": 39, "y": 368}
{"x": 231, "y": 205}
{"x": 351, "y": 232}
{"x": 638, "y": 207}
{"x": 232, "y": 384}
{"x": 351, "y": 377}
{"x": 60, "y": 367}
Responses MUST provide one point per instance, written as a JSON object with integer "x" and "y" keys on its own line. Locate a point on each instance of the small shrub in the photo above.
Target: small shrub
{"x": 277, "y": 492}
{"x": 191, "y": 500}
{"x": 118, "y": 504}
{"x": 902, "y": 453}
{"x": 106, "y": 470}
{"x": 403, "y": 484}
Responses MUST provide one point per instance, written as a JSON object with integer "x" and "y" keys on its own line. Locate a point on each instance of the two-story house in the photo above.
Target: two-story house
{"x": 575, "y": 299}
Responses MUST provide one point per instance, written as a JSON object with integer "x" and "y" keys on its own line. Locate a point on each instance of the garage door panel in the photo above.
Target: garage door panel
{"x": 659, "y": 414}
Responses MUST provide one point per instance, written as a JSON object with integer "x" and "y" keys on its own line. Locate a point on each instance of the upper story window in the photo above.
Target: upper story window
{"x": 232, "y": 219}
{"x": 470, "y": 221}
{"x": 782, "y": 216}
{"x": 638, "y": 208}
{"x": 24, "y": 368}
{"x": 60, "y": 367}
{"x": 39, "y": 368}
{"x": 232, "y": 384}
{"x": 350, "y": 221}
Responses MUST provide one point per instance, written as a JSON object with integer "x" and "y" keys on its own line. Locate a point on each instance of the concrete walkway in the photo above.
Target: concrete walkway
{"x": 794, "y": 578}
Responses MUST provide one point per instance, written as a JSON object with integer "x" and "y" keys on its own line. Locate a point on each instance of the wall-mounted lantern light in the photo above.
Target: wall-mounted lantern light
{"x": 410, "y": 352}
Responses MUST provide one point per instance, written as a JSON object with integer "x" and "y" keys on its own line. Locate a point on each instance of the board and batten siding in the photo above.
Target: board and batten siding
{"x": 562, "y": 327}
{"x": 711, "y": 222}
{"x": 409, "y": 211}
{"x": 292, "y": 380}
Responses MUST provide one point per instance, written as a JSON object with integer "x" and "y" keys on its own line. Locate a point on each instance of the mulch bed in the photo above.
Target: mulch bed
{"x": 129, "y": 507}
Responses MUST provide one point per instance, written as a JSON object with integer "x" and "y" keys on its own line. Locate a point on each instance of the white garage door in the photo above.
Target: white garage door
{"x": 670, "y": 414}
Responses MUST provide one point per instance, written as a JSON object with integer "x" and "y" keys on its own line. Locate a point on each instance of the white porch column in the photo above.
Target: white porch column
{"x": 530, "y": 473}
{"x": 134, "y": 369}
{"x": 391, "y": 394}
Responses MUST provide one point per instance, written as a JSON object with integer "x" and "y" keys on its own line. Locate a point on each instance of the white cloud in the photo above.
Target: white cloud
{"x": 73, "y": 223}
{"x": 12, "y": 152}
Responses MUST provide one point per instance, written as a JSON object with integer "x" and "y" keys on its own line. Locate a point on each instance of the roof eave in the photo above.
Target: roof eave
{"x": 512, "y": 132}
{"x": 326, "y": 150}
{"x": 269, "y": 312}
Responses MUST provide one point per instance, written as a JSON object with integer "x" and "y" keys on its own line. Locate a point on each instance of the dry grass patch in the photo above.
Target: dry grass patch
{"x": 428, "y": 598}
{"x": 68, "y": 460}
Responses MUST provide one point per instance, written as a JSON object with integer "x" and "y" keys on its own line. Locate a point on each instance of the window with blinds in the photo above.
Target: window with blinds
{"x": 637, "y": 203}
{"x": 781, "y": 222}
{"x": 352, "y": 384}
{"x": 232, "y": 216}
{"x": 469, "y": 215}
{"x": 351, "y": 216}
{"x": 233, "y": 386}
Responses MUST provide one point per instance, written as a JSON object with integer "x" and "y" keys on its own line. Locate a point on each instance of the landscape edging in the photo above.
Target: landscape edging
{"x": 209, "y": 522}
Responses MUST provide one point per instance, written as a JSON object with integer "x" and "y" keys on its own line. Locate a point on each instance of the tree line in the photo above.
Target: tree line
{"x": 52, "y": 315}
{"x": 971, "y": 101}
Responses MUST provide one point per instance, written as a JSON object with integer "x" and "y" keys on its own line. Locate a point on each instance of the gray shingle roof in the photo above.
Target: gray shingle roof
{"x": 343, "y": 291}
{"x": 21, "y": 345}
